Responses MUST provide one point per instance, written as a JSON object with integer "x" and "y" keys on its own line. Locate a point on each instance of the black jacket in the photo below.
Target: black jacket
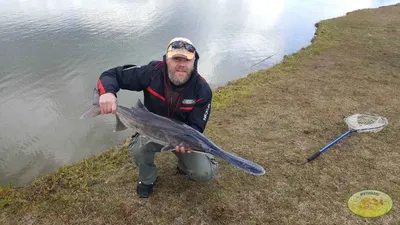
{"x": 189, "y": 103}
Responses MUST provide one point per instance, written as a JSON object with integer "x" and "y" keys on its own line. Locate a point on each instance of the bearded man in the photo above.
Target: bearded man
{"x": 174, "y": 89}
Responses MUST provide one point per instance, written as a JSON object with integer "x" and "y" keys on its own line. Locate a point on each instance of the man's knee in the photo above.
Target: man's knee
{"x": 205, "y": 173}
{"x": 140, "y": 147}
{"x": 137, "y": 153}
{"x": 133, "y": 147}
{"x": 202, "y": 177}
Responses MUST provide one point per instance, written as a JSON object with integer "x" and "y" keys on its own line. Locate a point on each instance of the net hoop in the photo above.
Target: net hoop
{"x": 367, "y": 122}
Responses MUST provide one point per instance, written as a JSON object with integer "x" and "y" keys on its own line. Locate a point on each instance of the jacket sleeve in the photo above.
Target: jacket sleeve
{"x": 200, "y": 114}
{"x": 129, "y": 77}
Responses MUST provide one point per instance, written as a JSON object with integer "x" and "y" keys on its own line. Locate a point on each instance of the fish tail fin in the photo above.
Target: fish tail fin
{"x": 119, "y": 126}
{"x": 92, "y": 112}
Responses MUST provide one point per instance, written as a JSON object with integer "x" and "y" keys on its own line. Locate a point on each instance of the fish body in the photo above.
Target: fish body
{"x": 169, "y": 133}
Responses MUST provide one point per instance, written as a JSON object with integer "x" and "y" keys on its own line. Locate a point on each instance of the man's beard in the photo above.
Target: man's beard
{"x": 178, "y": 80}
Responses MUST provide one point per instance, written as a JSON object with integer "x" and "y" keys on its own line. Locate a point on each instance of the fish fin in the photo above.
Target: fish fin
{"x": 92, "y": 112}
{"x": 140, "y": 105}
{"x": 95, "y": 110}
{"x": 96, "y": 96}
{"x": 119, "y": 125}
{"x": 144, "y": 140}
{"x": 167, "y": 148}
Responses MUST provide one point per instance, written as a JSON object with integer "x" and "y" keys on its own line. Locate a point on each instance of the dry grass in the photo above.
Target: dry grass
{"x": 276, "y": 117}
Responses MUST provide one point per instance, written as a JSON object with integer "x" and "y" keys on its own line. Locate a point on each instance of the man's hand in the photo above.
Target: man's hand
{"x": 108, "y": 103}
{"x": 181, "y": 149}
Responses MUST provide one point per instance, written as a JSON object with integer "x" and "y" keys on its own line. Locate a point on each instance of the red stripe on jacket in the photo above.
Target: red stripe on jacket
{"x": 155, "y": 94}
{"x": 186, "y": 108}
{"x": 100, "y": 87}
{"x": 158, "y": 65}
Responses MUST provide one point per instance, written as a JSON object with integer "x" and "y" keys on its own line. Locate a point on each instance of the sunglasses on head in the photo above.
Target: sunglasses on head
{"x": 181, "y": 44}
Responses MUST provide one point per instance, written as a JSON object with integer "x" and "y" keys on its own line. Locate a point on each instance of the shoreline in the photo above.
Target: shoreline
{"x": 284, "y": 113}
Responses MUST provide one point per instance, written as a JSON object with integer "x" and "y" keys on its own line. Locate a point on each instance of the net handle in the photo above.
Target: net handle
{"x": 370, "y": 129}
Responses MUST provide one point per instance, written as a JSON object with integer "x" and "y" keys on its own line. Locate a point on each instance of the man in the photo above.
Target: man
{"x": 172, "y": 88}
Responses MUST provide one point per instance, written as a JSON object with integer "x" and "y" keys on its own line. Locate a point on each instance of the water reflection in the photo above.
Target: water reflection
{"x": 17, "y": 166}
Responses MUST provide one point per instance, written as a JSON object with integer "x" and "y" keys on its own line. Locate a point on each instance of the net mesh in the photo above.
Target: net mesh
{"x": 366, "y": 122}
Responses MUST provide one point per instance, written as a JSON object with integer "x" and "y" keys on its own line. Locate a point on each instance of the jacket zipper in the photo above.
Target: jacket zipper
{"x": 170, "y": 103}
{"x": 166, "y": 93}
{"x": 177, "y": 104}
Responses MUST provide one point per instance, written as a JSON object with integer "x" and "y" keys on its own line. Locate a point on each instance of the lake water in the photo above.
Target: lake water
{"x": 52, "y": 52}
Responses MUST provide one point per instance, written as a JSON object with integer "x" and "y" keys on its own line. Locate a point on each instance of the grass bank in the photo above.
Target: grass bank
{"x": 276, "y": 117}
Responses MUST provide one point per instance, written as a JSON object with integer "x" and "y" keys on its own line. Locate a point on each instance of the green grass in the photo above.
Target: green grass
{"x": 275, "y": 117}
